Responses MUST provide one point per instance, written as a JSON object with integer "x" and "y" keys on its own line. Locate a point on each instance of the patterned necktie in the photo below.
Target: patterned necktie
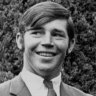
{"x": 49, "y": 85}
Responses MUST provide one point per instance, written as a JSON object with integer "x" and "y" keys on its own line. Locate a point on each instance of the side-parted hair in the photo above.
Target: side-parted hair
{"x": 44, "y": 12}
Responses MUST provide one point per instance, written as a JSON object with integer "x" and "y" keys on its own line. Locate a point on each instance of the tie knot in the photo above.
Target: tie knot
{"x": 48, "y": 84}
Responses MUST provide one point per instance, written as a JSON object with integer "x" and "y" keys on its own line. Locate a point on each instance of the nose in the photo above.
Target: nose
{"x": 47, "y": 40}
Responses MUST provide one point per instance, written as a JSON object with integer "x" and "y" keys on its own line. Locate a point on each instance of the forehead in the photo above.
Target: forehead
{"x": 56, "y": 24}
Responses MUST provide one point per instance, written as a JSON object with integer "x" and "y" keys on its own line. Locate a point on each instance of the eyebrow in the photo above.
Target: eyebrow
{"x": 35, "y": 29}
{"x": 41, "y": 28}
{"x": 58, "y": 31}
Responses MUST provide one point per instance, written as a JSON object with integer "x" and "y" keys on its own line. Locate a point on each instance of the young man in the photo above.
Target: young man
{"x": 46, "y": 35}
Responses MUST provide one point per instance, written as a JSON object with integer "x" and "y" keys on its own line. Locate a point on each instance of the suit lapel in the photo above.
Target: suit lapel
{"x": 64, "y": 90}
{"x": 18, "y": 87}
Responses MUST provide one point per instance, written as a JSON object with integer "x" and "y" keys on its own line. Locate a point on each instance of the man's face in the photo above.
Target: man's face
{"x": 45, "y": 48}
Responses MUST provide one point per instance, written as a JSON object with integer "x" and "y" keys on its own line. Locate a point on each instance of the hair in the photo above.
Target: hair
{"x": 45, "y": 12}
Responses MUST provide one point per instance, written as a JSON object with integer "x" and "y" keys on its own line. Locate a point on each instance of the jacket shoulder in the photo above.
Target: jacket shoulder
{"x": 4, "y": 88}
{"x": 72, "y": 91}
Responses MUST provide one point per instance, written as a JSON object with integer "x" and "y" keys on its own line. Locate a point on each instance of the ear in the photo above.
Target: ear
{"x": 71, "y": 45}
{"x": 19, "y": 41}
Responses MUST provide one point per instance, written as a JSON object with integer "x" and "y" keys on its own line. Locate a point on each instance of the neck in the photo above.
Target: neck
{"x": 52, "y": 75}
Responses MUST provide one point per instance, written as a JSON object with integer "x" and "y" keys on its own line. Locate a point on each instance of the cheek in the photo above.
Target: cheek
{"x": 62, "y": 46}
{"x": 63, "y": 51}
{"x": 31, "y": 44}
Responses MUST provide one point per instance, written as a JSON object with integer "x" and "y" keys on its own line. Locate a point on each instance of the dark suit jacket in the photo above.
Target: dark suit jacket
{"x": 16, "y": 87}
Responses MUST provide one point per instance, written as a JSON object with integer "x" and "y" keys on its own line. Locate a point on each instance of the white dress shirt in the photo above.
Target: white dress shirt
{"x": 35, "y": 83}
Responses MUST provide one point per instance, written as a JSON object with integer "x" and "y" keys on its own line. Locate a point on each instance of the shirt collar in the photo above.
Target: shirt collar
{"x": 32, "y": 80}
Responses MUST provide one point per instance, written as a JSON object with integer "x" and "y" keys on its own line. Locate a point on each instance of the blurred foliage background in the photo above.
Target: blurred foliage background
{"x": 79, "y": 69}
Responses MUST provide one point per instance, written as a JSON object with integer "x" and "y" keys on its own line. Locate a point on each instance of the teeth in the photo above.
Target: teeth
{"x": 46, "y": 54}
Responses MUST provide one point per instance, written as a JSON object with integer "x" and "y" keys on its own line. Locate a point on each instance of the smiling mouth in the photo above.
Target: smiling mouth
{"x": 46, "y": 54}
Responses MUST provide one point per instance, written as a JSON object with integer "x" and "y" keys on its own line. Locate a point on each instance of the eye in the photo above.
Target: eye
{"x": 58, "y": 35}
{"x": 37, "y": 33}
